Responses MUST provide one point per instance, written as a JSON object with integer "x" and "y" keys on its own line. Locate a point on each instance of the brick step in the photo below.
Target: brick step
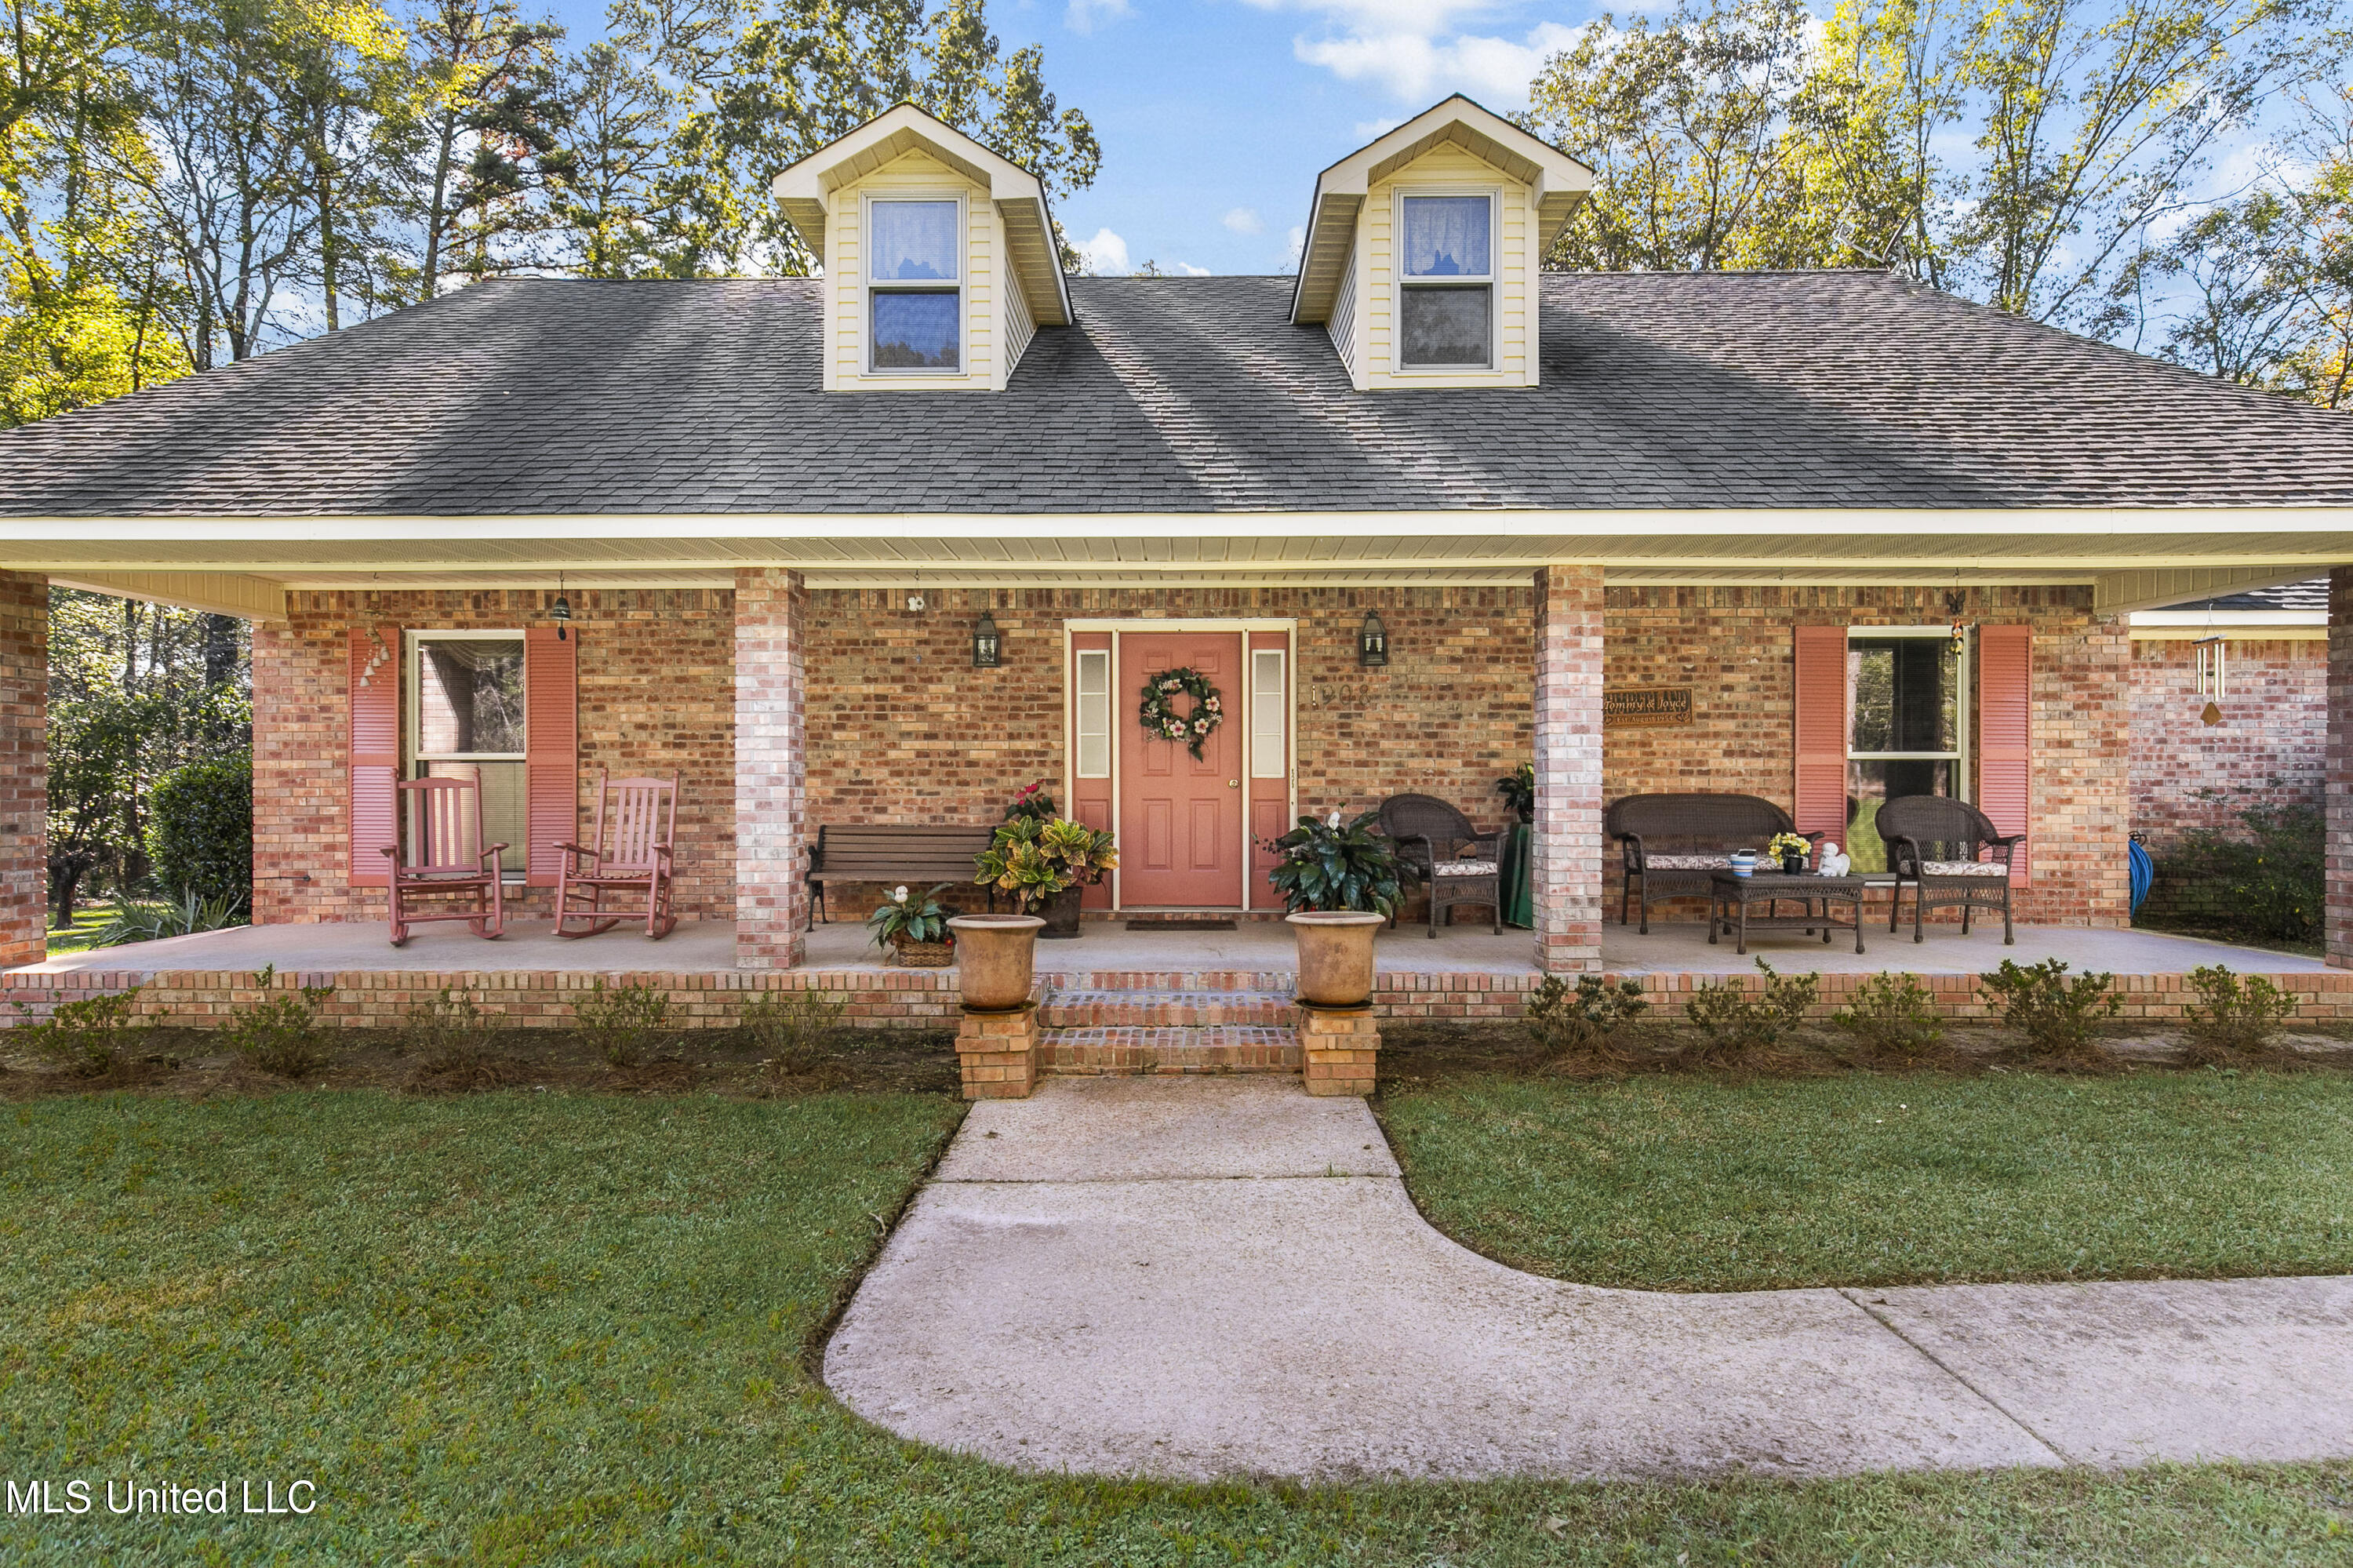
{"x": 1142, "y": 1009}
{"x": 1207, "y": 1048}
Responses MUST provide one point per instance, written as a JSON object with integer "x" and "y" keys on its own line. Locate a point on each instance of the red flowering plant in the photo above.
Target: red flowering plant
{"x": 1033, "y": 803}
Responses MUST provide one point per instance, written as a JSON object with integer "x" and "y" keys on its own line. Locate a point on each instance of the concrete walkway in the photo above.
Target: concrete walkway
{"x": 1224, "y": 1277}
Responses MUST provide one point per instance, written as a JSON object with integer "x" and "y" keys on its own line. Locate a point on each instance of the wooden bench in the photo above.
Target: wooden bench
{"x": 894, "y": 855}
{"x": 1674, "y": 845}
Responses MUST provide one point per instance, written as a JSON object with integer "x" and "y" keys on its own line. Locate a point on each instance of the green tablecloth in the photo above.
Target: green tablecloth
{"x": 1519, "y": 876}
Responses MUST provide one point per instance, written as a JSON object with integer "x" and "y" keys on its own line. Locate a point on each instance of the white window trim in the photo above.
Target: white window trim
{"x": 1964, "y": 785}
{"x": 412, "y": 718}
{"x": 868, "y": 285}
{"x": 1399, "y": 283}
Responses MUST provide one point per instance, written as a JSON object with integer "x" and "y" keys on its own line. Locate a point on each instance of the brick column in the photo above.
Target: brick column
{"x": 2338, "y": 793}
{"x": 771, "y": 770}
{"x": 1568, "y": 770}
{"x": 24, "y": 769}
{"x": 997, "y": 1053}
{"x": 2081, "y": 774}
{"x": 1339, "y": 1049}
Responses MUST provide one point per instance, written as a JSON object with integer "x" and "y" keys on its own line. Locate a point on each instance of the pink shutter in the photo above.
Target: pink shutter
{"x": 551, "y": 686}
{"x": 1819, "y": 801}
{"x": 2005, "y": 727}
{"x": 373, "y": 748}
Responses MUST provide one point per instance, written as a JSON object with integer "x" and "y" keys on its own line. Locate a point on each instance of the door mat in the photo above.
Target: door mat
{"x": 1202, "y": 925}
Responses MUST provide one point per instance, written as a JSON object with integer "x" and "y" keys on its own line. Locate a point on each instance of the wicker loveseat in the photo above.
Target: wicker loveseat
{"x": 1674, "y": 845}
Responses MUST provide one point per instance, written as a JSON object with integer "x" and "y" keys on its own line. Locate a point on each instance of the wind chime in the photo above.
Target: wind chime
{"x": 2211, "y": 680}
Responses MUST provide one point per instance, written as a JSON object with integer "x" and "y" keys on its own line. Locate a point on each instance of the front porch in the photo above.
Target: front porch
{"x": 529, "y": 978}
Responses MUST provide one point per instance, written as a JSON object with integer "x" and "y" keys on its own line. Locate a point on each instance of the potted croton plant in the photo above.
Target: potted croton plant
{"x": 1339, "y": 882}
{"x": 914, "y": 930}
{"x": 1046, "y": 864}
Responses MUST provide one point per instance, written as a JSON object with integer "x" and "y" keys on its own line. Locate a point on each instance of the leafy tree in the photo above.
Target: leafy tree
{"x": 609, "y": 172}
{"x": 135, "y": 690}
{"x": 752, "y": 91}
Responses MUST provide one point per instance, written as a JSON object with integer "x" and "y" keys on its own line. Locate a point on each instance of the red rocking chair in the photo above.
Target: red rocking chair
{"x": 441, "y": 853}
{"x": 634, "y": 865}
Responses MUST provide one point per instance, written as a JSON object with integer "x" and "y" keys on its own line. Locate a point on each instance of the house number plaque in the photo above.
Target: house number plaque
{"x": 1646, "y": 708}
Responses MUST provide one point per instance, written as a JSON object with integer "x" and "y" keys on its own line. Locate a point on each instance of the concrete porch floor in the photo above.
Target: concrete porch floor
{"x": 708, "y": 947}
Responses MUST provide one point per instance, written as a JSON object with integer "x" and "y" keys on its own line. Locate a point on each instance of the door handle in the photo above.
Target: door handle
{"x": 1233, "y": 783}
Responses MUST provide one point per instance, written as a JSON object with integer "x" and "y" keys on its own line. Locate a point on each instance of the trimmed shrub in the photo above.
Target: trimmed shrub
{"x": 622, "y": 1024}
{"x": 790, "y": 1029}
{"x": 1892, "y": 1018}
{"x": 87, "y": 1038}
{"x": 280, "y": 1033}
{"x": 1736, "y": 1021}
{"x": 2265, "y": 885}
{"x": 2053, "y": 1012}
{"x": 2232, "y": 1017}
{"x": 200, "y": 829}
{"x": 1567, "y": 1022}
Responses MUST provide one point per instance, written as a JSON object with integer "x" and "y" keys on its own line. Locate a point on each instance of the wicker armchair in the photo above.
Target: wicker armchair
{"x": 1431, "y": 838}
{"x": 1934, "y": 844}
{"x": 1673, "y": 845}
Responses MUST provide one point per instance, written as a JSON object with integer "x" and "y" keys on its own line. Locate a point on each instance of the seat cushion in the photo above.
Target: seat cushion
{"x": 1687, "y": 861}
{"x": 1965, "y": 868}
{"x": 1464, "y": 868}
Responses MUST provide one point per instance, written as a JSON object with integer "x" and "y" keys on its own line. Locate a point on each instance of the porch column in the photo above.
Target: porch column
{"x": 771, "y": 770}
{"x": 2337, "y": 903}
{"x": 24, "y": 769}
{"x": 1567, "y": 874}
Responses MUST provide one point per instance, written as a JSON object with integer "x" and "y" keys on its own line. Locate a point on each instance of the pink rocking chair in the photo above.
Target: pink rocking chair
{"x": 633, "y": 865}
{"x": 441, "y": 853}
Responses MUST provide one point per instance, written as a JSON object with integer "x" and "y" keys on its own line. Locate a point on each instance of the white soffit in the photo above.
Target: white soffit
{"x": 801, "y": 193}
{"x": 1557, "y": 182}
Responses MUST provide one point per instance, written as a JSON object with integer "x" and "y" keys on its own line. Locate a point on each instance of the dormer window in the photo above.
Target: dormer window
{"x": 1446, "y": 281}
{"x": 914, "y": 306}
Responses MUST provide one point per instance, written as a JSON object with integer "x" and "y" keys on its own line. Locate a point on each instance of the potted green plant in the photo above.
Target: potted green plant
{"x": 1033, "y": 803}
{"x": 1046, "y": 864}
{"x": 1339, "y": 882}
{"x": 1792, "y": 850}
{"x": 914, "y": 930}
{"x": 1519, "y": 792}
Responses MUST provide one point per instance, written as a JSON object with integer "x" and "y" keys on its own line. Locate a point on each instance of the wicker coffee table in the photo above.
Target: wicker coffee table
{"x": 1729, "y": 898}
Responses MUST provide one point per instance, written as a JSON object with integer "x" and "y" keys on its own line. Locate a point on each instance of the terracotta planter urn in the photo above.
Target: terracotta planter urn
{"x": 1336, "y": 955}
{"x": 997, "y": 955}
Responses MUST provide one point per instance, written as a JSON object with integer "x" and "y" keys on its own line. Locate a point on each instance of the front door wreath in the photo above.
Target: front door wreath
{"x": 1159, "y": 716}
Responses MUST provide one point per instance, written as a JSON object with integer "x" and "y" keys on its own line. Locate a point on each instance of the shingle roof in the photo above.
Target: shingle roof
{"x": 1675, "y": 390}
{"x": 2309, "y": 594}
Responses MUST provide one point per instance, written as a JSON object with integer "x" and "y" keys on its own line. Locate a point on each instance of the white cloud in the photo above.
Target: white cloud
{"x": 1105, "y": 253}
{"x": 1419, "y": 51}
{"x": 1242, "y": 220}
{"x": 1083, "y": 15}
{"x": 1298, "y": 244}
{"x": 1190, "y": 271}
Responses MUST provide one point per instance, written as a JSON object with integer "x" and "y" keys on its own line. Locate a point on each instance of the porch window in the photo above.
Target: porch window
{"x": 1908, "y": 731}
{"x": 914, "y": 309}
{"x": 467, "y": 719}
{"x": 1267, "y": 705}
{"x": 1094, "y": 712}
{"x": 1446, "y": 273}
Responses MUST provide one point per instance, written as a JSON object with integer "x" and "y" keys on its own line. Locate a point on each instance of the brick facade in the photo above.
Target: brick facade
{"x": 2271, "y": 749}
{"x": 24, "y": 767}
{"x": 1570, "y": 674}
{"x": 771, "y": 768}
{"x": 899, "y": 729}
{"x": 656, "y": 693}
{"x": 2338, "y": 931}
{"x": 1733, "y": 647}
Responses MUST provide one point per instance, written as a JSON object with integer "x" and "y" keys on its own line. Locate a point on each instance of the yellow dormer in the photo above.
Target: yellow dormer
{"x": 1423, "y": 248}
{"x": 939, "y": 256}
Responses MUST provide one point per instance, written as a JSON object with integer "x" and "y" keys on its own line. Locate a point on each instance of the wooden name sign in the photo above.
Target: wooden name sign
{"x": 1646, "y": 708}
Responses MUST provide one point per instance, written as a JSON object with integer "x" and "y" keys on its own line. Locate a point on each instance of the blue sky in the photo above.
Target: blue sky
{"x": 1215, "y": 115}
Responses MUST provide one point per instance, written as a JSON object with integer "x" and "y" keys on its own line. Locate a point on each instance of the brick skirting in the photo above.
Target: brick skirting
{"x": 927, "y": 999}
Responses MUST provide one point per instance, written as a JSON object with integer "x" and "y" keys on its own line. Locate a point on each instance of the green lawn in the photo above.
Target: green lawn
{"x": 76, "y": 936}
{"x": 1700, "y": 1183}
{"x": 528, "y": 1329}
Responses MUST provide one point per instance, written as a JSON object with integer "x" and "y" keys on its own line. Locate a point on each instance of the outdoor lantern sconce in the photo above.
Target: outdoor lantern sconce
{"x": 985, "y": 644}
{"x": 1372, "y": 642}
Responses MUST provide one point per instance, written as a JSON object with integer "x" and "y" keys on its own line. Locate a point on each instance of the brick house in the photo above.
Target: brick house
{"x": 1877, "y": 541}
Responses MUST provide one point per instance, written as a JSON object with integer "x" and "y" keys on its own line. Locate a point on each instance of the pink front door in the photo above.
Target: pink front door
{"x": 1181, "y": 820}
